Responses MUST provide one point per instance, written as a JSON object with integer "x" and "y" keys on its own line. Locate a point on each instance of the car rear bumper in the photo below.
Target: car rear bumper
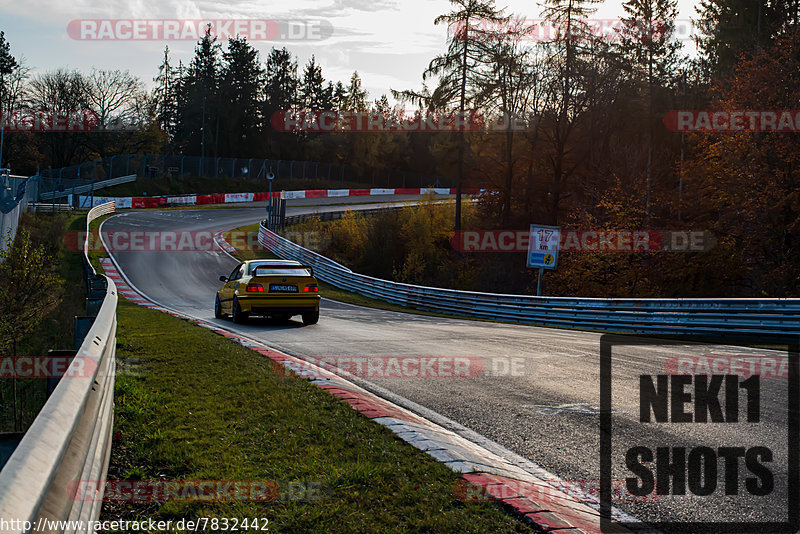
{"x": 269, "y": 305}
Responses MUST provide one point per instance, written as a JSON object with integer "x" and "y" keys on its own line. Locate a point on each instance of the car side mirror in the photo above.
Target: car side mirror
{"x": 223, "y": 278}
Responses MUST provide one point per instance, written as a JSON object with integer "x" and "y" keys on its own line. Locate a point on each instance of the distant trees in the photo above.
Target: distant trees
{"x": 732, "y": 27}
{"x": 29, "y": 290}
{"x": 314, "y": 95}
{"x": 459, "y": 67}
{"x": 588, "y": 147}
{"x": 242, "y": 81}
{"x": 8, "y": 94}
{"x": 649, "y": 48}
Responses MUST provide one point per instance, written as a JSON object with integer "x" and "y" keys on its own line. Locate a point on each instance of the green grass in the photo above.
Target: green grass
{"x": 193, "y": 405}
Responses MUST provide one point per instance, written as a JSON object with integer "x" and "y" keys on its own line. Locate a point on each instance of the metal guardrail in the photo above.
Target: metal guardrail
{"x": 87, "y": 187}
{"x": 47, "y": 207}
{"x": 70, "y": 440}
{"x": 744, "y": 319}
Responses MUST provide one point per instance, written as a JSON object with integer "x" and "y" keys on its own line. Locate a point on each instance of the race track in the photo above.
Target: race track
{"x": 546, "y": 412}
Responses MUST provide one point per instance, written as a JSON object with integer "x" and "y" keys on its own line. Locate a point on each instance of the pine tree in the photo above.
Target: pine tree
{"x": 281, "y": 80}
{"x": 165, "y": 94}
{"x": 312, "y": 90}
{"x": 339, "y": 96}
{"x": 382, "y": 104}
{"x": 457, "y": 68}
{"x": 732, "y": 27}
{"x": 356, "y": 97}
{"x": 242, "y": 79}
{"x": 648, "y": 45}
{"x": 199, "y": 98}
{"x": 280, "y": 94}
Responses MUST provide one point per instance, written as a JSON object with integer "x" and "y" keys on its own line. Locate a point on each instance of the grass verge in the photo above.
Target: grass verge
{"x": 192, "y": 405}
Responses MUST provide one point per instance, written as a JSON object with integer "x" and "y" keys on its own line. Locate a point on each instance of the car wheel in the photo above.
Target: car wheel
{"x": 238, "y": 315}
{"x": 218, "y": 309}
{"x": 311, "y": 317}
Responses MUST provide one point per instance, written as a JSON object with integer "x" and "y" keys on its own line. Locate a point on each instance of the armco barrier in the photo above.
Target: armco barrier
{"x": 743, "y": 319}
{"x": 70, "y": 439}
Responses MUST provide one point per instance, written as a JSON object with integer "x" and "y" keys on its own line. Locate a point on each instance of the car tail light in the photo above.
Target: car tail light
{"x": 312, "y": 288}
{"x": 255, "y": 288}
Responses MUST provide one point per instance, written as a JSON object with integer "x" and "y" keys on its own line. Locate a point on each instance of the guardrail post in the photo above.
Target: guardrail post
{"x": 82, "y": 326}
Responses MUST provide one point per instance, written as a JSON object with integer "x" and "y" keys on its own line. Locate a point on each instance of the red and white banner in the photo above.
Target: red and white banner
{"x": 233, "y": 198}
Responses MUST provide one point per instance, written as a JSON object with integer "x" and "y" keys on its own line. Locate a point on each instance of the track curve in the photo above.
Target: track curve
{"x": 544, "y": 413}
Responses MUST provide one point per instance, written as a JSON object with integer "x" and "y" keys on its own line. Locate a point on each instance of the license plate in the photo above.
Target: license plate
{"x": 282, "y": 289}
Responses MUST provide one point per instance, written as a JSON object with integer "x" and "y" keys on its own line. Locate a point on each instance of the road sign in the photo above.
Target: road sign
{"x": 543, "y": 246}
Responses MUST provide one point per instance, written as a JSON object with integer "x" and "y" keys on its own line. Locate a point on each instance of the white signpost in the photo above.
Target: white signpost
{"x": 543, "y": 250}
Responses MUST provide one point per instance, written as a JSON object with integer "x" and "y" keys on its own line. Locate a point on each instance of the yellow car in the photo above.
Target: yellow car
{"x": 274, "y": 288}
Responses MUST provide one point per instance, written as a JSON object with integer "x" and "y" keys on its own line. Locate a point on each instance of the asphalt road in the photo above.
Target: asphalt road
{"x": 546, "y": 410}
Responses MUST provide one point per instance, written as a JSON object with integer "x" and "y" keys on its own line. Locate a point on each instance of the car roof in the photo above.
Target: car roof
{"x": 279, "y": 262}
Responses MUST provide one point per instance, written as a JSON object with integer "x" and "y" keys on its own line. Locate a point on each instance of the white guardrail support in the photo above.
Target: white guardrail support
{"x": 69, "y": 442}
{"x": 756, "y": 319}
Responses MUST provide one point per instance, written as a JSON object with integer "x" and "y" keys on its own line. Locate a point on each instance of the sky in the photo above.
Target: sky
{"x": 389, "y": 42}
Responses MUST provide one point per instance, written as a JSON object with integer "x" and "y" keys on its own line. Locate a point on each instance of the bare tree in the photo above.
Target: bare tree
{"x": 112, "y": 95}
{"x": 61, "y": 90}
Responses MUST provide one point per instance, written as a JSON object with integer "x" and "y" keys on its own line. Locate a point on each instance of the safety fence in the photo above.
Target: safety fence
{"x": 172, "y": 166}
{"x": 16, "y": 192}
{"x": 760, "y": 320}
{"x": 70, "y": 439}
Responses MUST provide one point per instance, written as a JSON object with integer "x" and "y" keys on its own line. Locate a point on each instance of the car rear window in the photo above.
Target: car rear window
{"x": 271, "y": 271}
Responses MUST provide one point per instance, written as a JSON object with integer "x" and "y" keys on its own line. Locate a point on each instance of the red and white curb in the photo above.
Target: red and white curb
{"x": 223, "y": 243}
{"x": 86, "y": 201}
{"x": 486, "y": 475}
